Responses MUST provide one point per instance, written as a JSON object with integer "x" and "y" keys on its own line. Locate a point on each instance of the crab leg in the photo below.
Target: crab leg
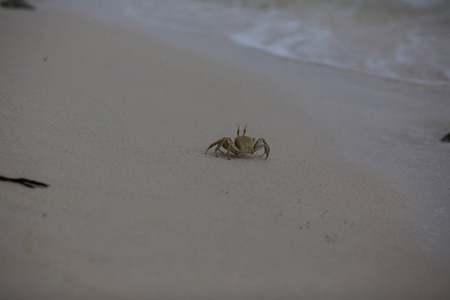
{"x": 229, "y": 145}
{"x": 219, "y": 142}
{"x": 226, "y": 143}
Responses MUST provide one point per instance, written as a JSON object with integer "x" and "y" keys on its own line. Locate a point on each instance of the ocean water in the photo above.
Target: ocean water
{"x": 404, "y": 40}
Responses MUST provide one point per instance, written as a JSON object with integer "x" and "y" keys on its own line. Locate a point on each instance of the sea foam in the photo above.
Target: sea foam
{"x": 405, "y": 40}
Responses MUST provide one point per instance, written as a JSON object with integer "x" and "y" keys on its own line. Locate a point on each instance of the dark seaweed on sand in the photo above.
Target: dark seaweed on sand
{"x": 16, "y": 4}
{"x": 446, "y": 139}
{"x": 26, "y": 182}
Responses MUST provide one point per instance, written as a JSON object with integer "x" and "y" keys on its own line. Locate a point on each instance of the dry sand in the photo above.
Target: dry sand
{"x": 117, "y": 122}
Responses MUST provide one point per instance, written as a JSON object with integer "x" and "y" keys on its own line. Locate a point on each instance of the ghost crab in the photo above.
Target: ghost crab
{"x": 242, "y": 144}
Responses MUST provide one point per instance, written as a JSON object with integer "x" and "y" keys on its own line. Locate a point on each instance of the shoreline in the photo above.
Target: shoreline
{"x": 117, "y": 121}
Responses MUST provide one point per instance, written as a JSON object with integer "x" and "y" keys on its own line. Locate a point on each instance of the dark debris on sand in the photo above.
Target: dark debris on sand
{"x": 16, "y": 4}
{"x": 446, "y": 139}
{"x": 26, "y": 182}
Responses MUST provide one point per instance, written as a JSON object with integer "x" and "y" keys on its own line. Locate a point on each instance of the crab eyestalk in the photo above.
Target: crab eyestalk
{"x": 245, "y": 129}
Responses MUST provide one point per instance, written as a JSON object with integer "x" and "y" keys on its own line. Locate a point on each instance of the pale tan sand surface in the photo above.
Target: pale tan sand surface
{"x": 117, "y": 122}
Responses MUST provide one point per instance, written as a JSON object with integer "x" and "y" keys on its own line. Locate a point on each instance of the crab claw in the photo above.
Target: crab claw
{"x": 260, "y": 143}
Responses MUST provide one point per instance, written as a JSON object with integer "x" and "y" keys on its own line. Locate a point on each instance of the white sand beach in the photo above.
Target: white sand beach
{"x": 352, "y": 202}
